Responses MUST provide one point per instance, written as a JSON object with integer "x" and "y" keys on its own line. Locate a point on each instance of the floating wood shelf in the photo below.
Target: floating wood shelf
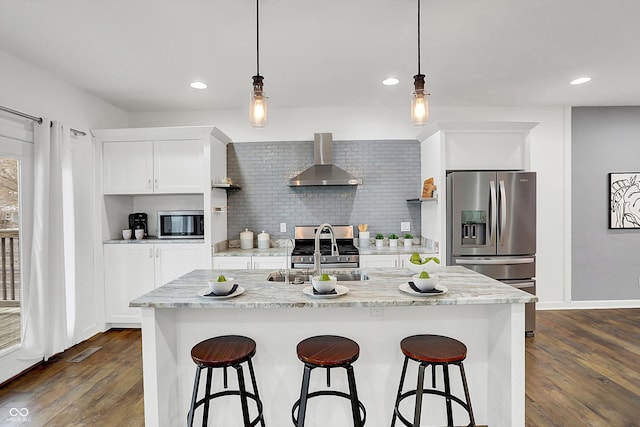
{"x": 428, "y": 199}
{"x": 226, "y": 186}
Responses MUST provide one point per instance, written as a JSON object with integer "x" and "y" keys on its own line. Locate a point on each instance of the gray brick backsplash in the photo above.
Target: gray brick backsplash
{"x": 390, "y": 173}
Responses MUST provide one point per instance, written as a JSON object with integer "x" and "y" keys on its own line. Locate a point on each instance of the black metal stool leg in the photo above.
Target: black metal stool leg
{"x": 447, "y": 395}
{"x": 404, "y": 371}
{"x": 304, "y": 393}
{"x": 194, "y": 397}
{"x": 255, "y": 388}
{"x": 207, "y": 396}
{"x": 353, "y": 392}
{"x": 466, "y": 395}
{"x": 419, "y": 387}
{"x": 243, "y": 395}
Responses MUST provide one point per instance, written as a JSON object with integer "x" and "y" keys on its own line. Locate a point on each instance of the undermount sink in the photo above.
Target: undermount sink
{"x": 300, "y": 277}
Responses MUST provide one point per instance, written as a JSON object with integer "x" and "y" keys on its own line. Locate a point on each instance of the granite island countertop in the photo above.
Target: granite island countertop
{"x": 464, "y": 286}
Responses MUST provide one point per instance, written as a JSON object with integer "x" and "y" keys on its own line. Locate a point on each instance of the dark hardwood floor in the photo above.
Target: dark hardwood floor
{"x": 105, "y": 389}
{"x": 582, "y": 369}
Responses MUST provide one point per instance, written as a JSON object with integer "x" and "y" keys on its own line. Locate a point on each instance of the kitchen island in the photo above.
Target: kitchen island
{"x": 486, "y": 315}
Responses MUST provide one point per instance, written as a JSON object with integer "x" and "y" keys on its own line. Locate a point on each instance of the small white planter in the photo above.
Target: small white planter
{"x": 393, "y": 243}
{"x": 408, "y": 243}
{"x": 379, "y": 243}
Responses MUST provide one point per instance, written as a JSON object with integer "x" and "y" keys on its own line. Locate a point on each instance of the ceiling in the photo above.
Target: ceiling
{"x": 141, "y": 55}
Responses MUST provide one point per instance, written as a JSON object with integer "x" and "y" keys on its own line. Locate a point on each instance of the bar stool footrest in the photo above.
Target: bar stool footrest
{"x": 251, "y": 396}
{"x": 441, "y": 393}
{"x": 347, "y": 396}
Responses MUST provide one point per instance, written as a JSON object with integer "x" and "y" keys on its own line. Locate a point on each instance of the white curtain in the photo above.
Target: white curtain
{"x": 49, "y": 303}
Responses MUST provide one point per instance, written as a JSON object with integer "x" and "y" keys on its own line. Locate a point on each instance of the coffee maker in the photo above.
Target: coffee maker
{"x": 138, "y": 220}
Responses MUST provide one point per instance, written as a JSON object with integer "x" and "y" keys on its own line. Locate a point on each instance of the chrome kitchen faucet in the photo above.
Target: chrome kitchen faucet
{"x": 317, "y": 257}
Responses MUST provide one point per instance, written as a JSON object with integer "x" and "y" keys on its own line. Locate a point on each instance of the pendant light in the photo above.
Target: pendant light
{"x": 258, "y": 104}
{"x": 419, "y": 97}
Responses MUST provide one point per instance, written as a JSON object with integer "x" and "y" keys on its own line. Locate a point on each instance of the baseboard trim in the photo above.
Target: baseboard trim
{"x": 584, "y": 305}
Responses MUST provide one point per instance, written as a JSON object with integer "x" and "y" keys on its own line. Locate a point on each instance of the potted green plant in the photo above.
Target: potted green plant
{"x": 408, "y": 240}
{"x": 393, "y": 240}
{"x": 379, "y": 240}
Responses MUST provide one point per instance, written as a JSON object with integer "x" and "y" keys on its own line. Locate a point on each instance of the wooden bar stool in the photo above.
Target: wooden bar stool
{"x": 328, "y": 351}
{"x": 225, "y": 352}
{"x": 434, "y": 350}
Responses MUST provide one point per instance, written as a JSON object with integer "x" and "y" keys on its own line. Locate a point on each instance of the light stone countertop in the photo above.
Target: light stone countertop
{"x": 381, "y": 290}
{"x": 281, "y": 251}
{"x": 150, "y": 240}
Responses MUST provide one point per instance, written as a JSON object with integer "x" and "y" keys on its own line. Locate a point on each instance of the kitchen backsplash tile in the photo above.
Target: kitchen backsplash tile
{"x": 390, "y": 171}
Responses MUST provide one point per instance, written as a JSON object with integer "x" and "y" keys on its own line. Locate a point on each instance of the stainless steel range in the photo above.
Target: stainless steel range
{"x": 304, "y": 246}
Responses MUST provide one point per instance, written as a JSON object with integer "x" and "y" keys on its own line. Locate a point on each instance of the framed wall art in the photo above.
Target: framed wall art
{"x": 624, "y": 200}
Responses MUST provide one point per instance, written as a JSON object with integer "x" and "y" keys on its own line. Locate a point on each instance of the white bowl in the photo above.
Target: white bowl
{"x": 430, "y": 267}
{"x": 221, "y": 288}
{"x": 425, "y": 284}
{"x": 323, "y": 286}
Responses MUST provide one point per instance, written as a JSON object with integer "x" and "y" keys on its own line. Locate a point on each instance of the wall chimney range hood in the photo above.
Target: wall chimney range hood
{"x": 323, "y": 171}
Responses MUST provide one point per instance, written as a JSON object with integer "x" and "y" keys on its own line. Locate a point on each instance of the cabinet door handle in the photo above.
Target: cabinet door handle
{"x": 156, "y": 182}
{"x": 157, "y": 253}
{"x": 151, "y": 253}
{"x": 149, "y": 183}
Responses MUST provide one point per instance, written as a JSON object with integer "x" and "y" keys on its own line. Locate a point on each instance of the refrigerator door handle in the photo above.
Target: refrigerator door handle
{"x": 503, "y": 212}
{"x": 494, "y": 211}
{"x": 527, "y": 260}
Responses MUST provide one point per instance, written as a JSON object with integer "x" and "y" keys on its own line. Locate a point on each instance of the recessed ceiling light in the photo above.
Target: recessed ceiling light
{"x": 580, "y": 80}
{"x": 390, "y": 81}
{"x": 199, "y": 85}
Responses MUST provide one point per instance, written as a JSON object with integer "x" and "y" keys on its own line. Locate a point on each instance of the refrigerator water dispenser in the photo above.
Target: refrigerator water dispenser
{"x": 474, "y": 227}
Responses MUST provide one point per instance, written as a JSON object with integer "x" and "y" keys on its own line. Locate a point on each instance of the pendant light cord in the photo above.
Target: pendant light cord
{"x": 419, "y": 37}
{"x": 257, "y": 37}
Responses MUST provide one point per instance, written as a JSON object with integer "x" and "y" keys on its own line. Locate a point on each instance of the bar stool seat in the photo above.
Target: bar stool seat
{"x": 434, "y": 350}
{"x": 328, "y": 351}
{"x": 229, "y": 351}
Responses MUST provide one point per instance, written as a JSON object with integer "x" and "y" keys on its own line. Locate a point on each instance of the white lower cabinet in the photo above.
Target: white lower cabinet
{"x": 132, "y": 270}
{"x": 173, "y": 260}
{"x": 249, "y": 262}
{"x": 268, "y": 262}
{"x": 378, "y": 261}
{"x": 232, "y": 263}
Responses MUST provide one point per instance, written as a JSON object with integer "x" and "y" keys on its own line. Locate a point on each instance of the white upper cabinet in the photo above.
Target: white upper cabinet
{"x": 128, "y": 167}
{"x": 178, "y": 166}
{"x": 148, "y": 167}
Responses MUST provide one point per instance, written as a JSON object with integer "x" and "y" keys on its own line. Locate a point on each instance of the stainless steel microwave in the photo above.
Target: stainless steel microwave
{"x": 181, "y": 224}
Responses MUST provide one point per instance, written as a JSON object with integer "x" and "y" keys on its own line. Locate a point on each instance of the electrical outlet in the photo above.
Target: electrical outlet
{"x": 376, "y": 311}
{"x": 283, "y": 227}
{"x": 405, "y": 226}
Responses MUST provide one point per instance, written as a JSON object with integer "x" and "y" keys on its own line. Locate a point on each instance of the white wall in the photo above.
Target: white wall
{"x": 32, "y": 91}
{"x": 550, "y": 146}
{"x": 297, "y": 124}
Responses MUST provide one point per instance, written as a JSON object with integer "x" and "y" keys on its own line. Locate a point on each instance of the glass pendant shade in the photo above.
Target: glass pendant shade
{"x": 258, "y": 107}
{"x": 419, "y": 102}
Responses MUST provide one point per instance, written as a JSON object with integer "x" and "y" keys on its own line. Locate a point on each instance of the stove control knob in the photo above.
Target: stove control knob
{"x": 339, "y": 259}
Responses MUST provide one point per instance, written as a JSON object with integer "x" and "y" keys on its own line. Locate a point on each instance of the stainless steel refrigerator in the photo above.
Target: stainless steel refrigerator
{"x": 491, "y": 227}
